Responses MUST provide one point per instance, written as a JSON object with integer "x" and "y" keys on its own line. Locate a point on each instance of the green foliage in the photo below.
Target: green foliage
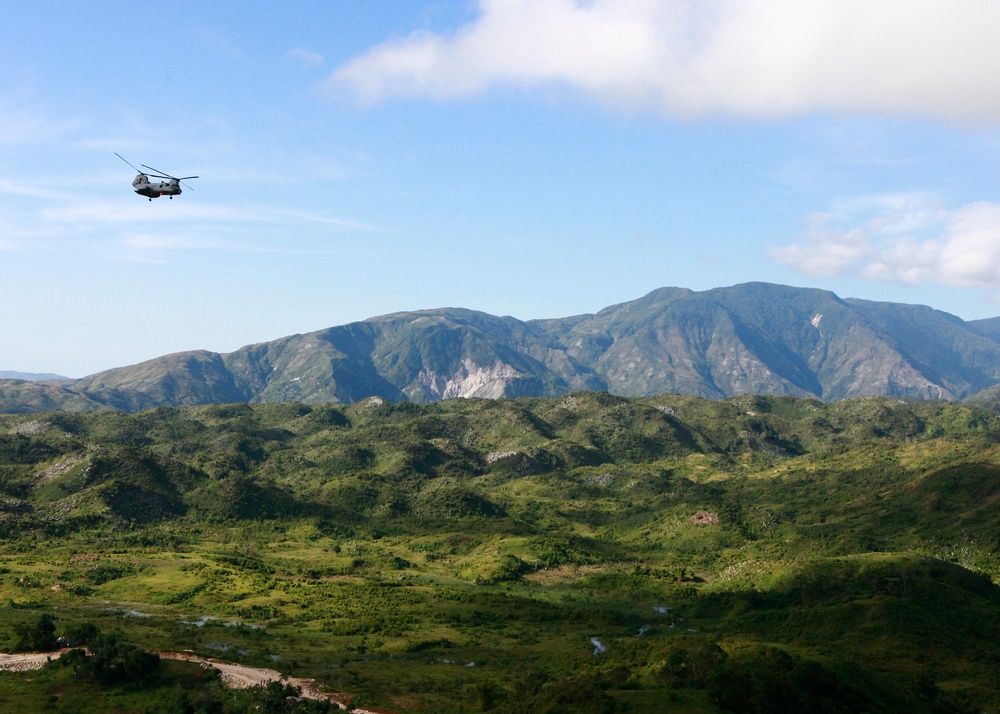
{"x": 80, "y": 634}
{"x": 508, "y": 569}
{"x": 755, "y": 554}
{"x": 579, "y": 695}
{"x": 766, "y": 680}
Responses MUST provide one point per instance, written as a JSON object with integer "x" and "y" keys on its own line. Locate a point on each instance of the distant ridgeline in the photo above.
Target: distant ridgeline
{"x": 755, "y": 338}
{"x": 28, "y": 376}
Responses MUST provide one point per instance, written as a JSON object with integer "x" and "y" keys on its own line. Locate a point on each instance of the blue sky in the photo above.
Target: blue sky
{"x": 534, "y": 158}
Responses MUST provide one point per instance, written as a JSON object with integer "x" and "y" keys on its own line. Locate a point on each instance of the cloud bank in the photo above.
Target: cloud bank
{"x": 756, "y": 58}
{"x": 902, "y": 238}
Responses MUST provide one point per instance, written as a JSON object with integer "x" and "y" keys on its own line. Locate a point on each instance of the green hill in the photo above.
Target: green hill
{"x": 754, "y": 554}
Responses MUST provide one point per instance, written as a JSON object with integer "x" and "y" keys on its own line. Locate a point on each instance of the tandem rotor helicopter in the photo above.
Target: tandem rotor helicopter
{"x": 170, "y": 187}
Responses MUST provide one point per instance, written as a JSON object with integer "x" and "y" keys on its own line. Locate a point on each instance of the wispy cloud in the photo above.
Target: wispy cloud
{"x": 27, "y": 125}
{"x": 148, "y": 241}
{"x": 761, "y": 58}
{"x": 213, "y": 39}
{"x": 305, "y": 58}
{"x": 27, "y": 190}
{"x": 160, "y": 211}
{"x": 902, "y": 238}
{"x": 330, "y": 220}
{"x": 165, "y": 248}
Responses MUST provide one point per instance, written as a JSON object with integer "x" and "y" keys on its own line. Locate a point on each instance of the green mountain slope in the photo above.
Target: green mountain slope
{"x": 989, "y": 328}
{"x": 18, "y": 396}
{"x": 950, "y": 353}
{"x": 754, "y": 338}
{"x": 988, "y": 398}
{"x": 179, "y": 379}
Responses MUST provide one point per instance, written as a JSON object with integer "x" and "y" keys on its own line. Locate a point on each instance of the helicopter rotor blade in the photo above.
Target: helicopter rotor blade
{"x": 174, "y": 178}
{"x": 182, "y": 179}
{"x": 128, "y": 162}
{"x": 163, "y": 174}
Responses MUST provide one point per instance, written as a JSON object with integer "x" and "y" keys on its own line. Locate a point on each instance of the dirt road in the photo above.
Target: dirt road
{"x": 25, "y": 661}
{"x": 237, "y": 676}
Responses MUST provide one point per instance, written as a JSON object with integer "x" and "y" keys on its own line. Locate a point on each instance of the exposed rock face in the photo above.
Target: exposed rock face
{"x": 470, "y": 380}
{"x": 495, "y": 456}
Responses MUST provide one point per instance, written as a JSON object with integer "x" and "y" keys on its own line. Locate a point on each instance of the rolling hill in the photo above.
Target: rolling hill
{"x": 749, "y": 555}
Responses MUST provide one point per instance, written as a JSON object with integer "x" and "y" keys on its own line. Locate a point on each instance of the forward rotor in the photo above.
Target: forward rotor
{"x": 140, "y": 171}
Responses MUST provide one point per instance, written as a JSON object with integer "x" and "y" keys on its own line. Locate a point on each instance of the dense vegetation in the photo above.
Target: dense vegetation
{"x": 583, "y": 553}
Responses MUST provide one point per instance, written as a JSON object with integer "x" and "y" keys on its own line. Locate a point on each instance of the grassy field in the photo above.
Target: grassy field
{"x": 586, "y": 553}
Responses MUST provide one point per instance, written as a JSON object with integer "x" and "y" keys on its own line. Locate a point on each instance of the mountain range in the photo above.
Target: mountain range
{"x": 754, "y": 338}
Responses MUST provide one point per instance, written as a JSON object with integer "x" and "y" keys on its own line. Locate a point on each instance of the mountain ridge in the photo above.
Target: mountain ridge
{"x": 753, "y": 338}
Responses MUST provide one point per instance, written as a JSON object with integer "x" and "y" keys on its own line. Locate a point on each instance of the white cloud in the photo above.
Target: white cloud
{"x": 903, "y": 238}
{"x": 759, "y": 58}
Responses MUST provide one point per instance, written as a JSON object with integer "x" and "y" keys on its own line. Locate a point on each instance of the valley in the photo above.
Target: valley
{"x": 753, "y": 554}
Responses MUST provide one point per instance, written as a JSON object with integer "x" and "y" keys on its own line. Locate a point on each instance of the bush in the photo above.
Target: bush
{"x": 80, "y": 634}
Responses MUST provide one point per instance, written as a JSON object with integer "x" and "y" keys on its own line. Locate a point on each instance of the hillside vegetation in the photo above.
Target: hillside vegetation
{"x": 582, "y": 553}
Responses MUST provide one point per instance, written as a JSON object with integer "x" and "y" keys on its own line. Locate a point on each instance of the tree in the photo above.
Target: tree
{"x": 112, "y": 662}
{"x": 39, "y": 636}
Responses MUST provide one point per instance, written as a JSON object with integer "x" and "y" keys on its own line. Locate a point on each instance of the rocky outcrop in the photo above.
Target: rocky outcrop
{"x": 469, "y": 380}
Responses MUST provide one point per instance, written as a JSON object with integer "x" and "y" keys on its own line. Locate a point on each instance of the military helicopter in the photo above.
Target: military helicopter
{"x": 170, "y": 187}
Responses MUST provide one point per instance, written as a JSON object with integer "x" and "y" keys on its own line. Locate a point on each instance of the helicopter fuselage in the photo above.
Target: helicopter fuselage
{"x": 144, "y": 187}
